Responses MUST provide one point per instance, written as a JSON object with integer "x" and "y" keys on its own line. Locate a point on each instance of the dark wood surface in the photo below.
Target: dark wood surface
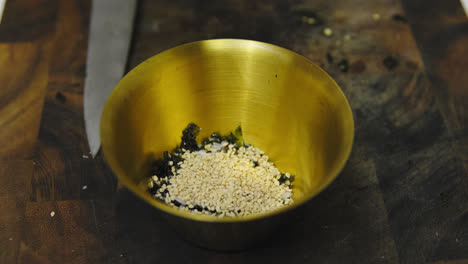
{"x": 402, "y": 197}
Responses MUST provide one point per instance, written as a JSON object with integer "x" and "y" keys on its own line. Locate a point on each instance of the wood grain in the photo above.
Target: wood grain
{"x": 24, "y": 77}
{"x": 63, "y": 161}
{"x": 441, "y": 31}
{"x": 15, "y": 177}
{"x": 28, "y": 20}
{"x": 72, "y": 235}
{"x": 443, "y": 37}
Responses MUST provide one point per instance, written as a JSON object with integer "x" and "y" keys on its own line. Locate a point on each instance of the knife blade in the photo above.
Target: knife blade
{"x": 109, "y": 38}
{"x": 464, "y": 4}
{"x": 2, "y": 7}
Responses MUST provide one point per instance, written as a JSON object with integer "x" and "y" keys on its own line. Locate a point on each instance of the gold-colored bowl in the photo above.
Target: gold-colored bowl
{"x": 286, "y": 105}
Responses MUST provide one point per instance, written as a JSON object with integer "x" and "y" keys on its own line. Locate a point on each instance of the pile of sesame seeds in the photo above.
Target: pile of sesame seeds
{"x": 221, "y": 178}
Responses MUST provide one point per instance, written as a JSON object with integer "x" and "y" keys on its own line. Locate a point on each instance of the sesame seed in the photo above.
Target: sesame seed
{"x": 226, "y": 183}
{"x": 328, "y": 32}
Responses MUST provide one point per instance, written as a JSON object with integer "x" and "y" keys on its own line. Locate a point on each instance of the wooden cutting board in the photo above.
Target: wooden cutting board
{"x": 402, "y": 197}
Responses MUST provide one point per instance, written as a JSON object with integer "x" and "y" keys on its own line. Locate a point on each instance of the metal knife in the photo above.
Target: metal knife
{"x": 2, "y": 7}
{"x": 108, "y": 44}
{"x": 464, "y": 4}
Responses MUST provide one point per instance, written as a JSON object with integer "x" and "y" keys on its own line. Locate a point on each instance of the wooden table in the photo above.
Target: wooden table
{"x": 402, "y": 198}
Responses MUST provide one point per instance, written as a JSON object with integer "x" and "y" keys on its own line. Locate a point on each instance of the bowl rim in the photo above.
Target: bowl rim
{"x": 138, "y": 191}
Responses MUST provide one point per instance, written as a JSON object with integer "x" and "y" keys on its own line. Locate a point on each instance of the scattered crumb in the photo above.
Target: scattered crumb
{"x": 390, "y": 62}
{"x": 11, "y": 239}
{"x": 456, "y": 240}
{"x": 52, "y": 214}
{"x": 400, "y": 18}
{"x": 308, "y": 20}
{"x": 343, "y": 65}
{"x": 347, "y": 37}
{"x": 437, "y": 234}
{"x": 121, "y": 255}
{"x": 376, "y": 16}
{"x": 73, "y": 250}
{"x": 85, "y": 156}
{"x": 328, "y": 32}
{"x": 329, "y": 57}
{"x": 84, "y": 187}
{"x": 155, "y": 26}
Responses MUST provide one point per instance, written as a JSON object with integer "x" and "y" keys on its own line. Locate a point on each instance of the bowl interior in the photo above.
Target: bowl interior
{"x": 286, "y": 106}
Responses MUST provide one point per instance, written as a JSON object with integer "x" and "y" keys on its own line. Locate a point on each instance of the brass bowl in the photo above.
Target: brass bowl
{"x": 287, "y": 106}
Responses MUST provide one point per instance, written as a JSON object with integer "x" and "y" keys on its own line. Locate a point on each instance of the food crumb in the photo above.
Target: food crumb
{"x": 400, "y": 18}
{"x": 328, "y": 32}
{"x": 85, "y": 156}
{"x": 329, "y": 57}
{"x": 308, "y": 20}
{"x": 390, "y": 63}
{"x": 84, "y": 187}
{"x": 347, "y": 37}
{"x": 11, "y": 239}
{"x": 376, "y": 16}
{"x": 52, "y": 214}
{"x": 343, "y": 65}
